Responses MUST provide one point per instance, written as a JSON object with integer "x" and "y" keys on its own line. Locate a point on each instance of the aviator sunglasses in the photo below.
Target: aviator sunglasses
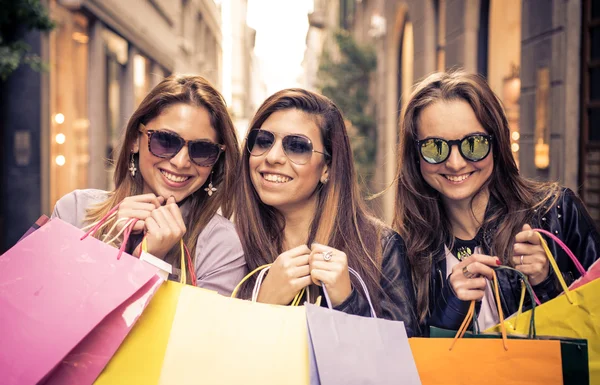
{"x": 166, "y": 144}
{"x": 474, "y": 148}
{"x": 298, "y": 148}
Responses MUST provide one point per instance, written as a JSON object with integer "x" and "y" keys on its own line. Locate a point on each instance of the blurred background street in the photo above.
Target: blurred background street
{"x": 59, "y": 125}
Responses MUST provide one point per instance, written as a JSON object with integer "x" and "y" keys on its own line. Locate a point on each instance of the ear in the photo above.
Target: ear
{"x": 325, "y": 174}
{"x": 135, "y": 146}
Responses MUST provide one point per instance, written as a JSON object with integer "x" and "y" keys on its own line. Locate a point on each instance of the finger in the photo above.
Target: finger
{"x": 159, "y": 216}
{"x": 527, "y": 248}
{"x": 171, "y": 200}
{"x": 474, "y": 284}
{"x": 302, "y": 271}
{"x": 322, "y": 276}
{"x": 148, "y": 198}
{"x": 300, "y": 283}
{"x": 301, "y": 260}
{"x": 176, "y": 213}
{"x": 479, "y": 268}
{"x": 320, "y": 248}
{"x": 169, "y": 219}
{"x": 327, "y": 266}
{"x": 137, "y": 214}
{"x": 138, "y": 227}
{"x": 151, "y": 226}
{"x": 528, "y": 236}
{"x": 470, "y": 295}
{"x": 139, "y": 206}
{"x": 161, "y": 201}
{"x": 483, "y": 259}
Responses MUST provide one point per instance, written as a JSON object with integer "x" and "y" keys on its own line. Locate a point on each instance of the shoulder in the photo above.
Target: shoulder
{"x": 219, "y": 237}
{"x": 73, "y": 206}
{"x": 218, "y": 224}
{"x": 391, "y": 241}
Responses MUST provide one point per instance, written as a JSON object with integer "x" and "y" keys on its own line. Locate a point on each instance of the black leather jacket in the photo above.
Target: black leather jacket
{"x": 397, "y": 285}
{"x": 567, "y": 219}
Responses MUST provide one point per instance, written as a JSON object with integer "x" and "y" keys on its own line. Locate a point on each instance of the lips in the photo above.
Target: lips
{"x": 457, "y": 178}
{"x": 175, "y": 178}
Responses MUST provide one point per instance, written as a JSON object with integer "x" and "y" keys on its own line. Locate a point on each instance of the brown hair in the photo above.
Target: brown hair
{"x": 350, "y": 229}
{"x": 420, "y": 216}
{"x": 195, "y": 91}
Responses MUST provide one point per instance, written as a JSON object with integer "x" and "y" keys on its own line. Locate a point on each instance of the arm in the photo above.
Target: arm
{"x": 220, "y": 263}
{"x": 397, "y": 301}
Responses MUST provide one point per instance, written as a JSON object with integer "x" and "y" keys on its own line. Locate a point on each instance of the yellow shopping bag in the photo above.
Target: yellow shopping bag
{"x": 220, "y": 340}
{"x": 140, "y": 357}
{"x": 576, "y": 314}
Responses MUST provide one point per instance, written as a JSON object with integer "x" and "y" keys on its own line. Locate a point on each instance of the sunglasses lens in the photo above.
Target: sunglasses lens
{"x": 297, "y": 148}
{"x": 475, "y": 147}
{"x": 260, "y": 141}
{"x": 165, "y": 144}
{"x": 434, "y": 150}
{"x": 204, "y": 154}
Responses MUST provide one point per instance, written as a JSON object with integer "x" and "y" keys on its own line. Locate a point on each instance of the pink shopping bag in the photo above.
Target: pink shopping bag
{"x": 56, "y": 289}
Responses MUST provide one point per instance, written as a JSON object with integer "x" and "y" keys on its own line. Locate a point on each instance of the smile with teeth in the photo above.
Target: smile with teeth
{"x": 457, "y": 178}
{"x": 276, "y": 178}
{"x": 174, "y": 178}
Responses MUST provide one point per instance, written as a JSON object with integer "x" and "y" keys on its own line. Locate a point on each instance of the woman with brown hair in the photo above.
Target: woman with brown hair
{"x": 298, "y": 207}
{"x": 175, "y": 168}
{"x": 463, "y": 208}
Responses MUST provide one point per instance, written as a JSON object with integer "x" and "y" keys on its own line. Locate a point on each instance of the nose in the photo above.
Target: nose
{"x": 181, "y": 159}
{"x": 276, "y": 155}
{"x": 455, "y": 161}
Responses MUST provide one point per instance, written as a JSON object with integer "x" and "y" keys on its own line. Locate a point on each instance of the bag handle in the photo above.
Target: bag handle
{"x": 525, "y": 288}
{"x": 554, "y": 265}
{"x": 362, "y": 284}
{"x": 257, "y": 285}
{"x": 562, "y": 245}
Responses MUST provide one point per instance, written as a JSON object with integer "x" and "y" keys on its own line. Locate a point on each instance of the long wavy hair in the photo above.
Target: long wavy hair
{"x": 341, "y": 219}
{"x": 194, "y": 91}
{"x": 420, "y": 216}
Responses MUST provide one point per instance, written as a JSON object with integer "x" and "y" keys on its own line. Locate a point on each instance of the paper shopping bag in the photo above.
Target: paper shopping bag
{"x": 54, "y": 290}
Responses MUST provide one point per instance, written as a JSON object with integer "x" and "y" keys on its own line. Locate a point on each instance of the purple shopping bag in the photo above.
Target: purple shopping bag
{"x": 55, "y": 289}
{"x": 348, "y": 349}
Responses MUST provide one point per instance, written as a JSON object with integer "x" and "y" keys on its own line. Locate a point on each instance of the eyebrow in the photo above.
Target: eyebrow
{"x": 439, "y": 137}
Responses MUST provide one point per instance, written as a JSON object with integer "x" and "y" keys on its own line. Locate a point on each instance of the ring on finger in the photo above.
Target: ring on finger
{"x": 521, "y": 259}
{"x": 327, "y": 256}
{"x": 467, "y": 273}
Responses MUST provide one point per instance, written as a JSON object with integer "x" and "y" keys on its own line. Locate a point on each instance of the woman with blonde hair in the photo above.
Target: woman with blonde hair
{"x": 175, "y": 168}
{"x": 463, "y": 208}
{"x": 298, "y": 207}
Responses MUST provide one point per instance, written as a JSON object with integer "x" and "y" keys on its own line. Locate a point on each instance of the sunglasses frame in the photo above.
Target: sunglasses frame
{"x": 452, "y": 143}
{"x": 324, "y": 153}
{"x": 184, "y": 143}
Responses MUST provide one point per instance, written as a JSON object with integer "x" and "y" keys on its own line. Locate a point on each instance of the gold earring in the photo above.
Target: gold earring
{"x": 132, "y": 168}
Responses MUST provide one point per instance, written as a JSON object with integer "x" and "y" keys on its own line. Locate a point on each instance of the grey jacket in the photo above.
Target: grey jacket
{"x": 220, "y": 262}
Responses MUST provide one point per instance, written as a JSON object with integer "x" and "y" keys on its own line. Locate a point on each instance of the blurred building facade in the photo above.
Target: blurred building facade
{"x": 541, "y": 57}
{"x": 60, "y": 127}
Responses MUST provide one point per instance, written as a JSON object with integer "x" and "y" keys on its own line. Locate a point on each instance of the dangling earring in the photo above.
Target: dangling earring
{"x": 324, "y": 181}
{"x": 132, "y": 168}
{"x": 210, "y": 189}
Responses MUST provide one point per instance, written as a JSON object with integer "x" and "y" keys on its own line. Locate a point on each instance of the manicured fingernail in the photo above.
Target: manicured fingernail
{"x": 498, "y": 262}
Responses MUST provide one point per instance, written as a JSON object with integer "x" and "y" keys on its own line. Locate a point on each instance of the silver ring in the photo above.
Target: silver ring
{"x": 521, "y": 259}
{"x": 327, "y": 256}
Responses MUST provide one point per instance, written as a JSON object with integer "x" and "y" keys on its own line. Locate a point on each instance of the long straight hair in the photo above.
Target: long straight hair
{"x": 341, "y": 218}
{"x": 194, "y": 91}
{"x": 420, "y": 216}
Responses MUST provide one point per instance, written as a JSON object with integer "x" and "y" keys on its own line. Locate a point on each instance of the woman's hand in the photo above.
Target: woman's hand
{"x": 164, "y": 228}
{"x": 138, "y": 207}
{"x": 289, "y": 274}
{"x": 529, "y": 256}
{"x": 469, "y": 277}
{"x": 329, "y": 266}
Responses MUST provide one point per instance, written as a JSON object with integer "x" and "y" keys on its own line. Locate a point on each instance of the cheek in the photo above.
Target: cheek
{"x": 428, "y": 169}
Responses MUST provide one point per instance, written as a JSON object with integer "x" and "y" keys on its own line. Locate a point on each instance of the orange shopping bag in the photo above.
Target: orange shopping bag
{"x": 487, "y": 361}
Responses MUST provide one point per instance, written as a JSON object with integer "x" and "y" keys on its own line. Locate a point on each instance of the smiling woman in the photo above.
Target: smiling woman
{"x": 298, "y": 207}
{"x": 175, "y": 169}
{"x": 463, "y": 208}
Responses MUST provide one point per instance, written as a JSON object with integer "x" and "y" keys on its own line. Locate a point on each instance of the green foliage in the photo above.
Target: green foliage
{"x": 17, "y": 18}
{"x": 344, "y": 77}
